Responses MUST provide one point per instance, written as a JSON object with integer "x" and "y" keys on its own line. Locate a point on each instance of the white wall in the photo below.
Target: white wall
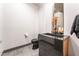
{"x": 1, "y": 27}
{"x": 18, "y": 20}
{"x": 45, "y": 17}
{"x": 70, "y": 11}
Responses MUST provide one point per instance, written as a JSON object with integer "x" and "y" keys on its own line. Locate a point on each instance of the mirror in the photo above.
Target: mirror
{"x": 58, "y": 18}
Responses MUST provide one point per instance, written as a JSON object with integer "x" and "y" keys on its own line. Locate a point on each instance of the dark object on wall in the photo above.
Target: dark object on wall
{"x": 75, "y": 26}
{"x": 35, "y": 43}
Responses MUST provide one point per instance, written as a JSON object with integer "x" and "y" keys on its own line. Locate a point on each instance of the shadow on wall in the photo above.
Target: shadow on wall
{"x": 73, "y": 47}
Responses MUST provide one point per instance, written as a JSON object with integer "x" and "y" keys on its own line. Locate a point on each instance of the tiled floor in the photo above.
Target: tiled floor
{"x": 24, "y": 51}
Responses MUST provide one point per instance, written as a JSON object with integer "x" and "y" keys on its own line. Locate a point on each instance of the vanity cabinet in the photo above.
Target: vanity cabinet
{"x": 52, "y": 46}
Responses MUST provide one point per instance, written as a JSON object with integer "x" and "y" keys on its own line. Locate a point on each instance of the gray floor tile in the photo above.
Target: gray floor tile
{"x": 24, "y": 51}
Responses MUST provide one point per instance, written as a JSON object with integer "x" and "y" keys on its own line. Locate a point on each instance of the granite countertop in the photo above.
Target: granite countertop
{"x": 59, "y": 38}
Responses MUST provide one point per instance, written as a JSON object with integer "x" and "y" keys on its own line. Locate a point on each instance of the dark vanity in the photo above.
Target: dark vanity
{"x": 54, "y": 43}
{"x": 51, "y": 44}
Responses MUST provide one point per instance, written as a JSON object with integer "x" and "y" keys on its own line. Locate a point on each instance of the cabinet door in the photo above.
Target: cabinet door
{"x": 46, "y": 49}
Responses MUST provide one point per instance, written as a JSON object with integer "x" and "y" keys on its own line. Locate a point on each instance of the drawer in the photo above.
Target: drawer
{"x": 47, "y": 39}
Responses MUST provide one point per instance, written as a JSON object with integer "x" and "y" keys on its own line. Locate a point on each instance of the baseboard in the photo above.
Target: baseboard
{"x": 16, "y": 48}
